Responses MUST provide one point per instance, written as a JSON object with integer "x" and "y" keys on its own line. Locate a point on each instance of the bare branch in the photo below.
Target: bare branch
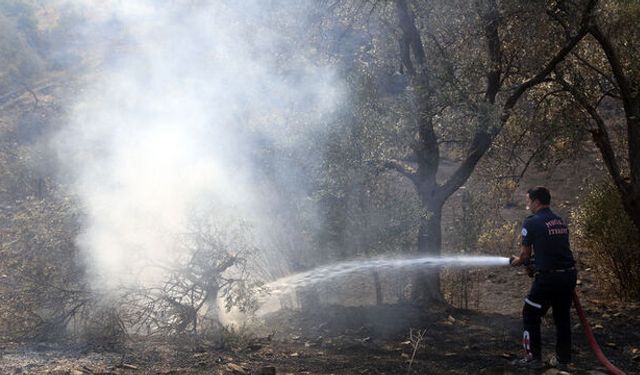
{"x": 600, "y": 135}
{"x": 480, "y": 144}
{"x": 614, "y": 61}
{"x": 402, "y": 168}
{"x": 550, "y": 65}
{"x": 589, "y": 65}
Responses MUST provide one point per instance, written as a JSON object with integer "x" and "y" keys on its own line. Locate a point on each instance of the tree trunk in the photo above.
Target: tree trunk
{"x": 628, "y": 188}
{"x": 628, "y": 90}
{"x": 211, "y": 305}
{"x": 631, "y": 205}
{"x": 427, "y": 282}
{"x": 631, "y": 195}
{"x": 631, "y": 200}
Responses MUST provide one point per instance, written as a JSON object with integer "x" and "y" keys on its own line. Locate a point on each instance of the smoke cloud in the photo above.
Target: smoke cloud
{"x": 183, "y": 95}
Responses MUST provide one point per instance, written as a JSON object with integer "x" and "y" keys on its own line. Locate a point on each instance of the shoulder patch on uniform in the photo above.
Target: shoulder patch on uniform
{"x": 524, "y": 232}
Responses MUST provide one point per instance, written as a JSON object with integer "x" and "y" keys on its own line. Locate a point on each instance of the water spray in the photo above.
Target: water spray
{"x": 333, "y": 271}
{"x": 289, "y": 284}
{"x": 324, "y": 273}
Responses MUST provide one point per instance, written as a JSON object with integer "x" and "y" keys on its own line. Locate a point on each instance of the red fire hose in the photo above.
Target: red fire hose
{"x": 592, "y": 341}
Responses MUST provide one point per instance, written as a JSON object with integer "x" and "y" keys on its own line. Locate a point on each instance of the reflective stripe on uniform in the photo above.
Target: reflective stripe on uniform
{"x": 537, "y": 305}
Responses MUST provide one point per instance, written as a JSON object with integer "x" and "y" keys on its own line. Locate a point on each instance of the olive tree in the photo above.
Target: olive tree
{"x": 603, "y": 80}
{"x": 458, "y": 76}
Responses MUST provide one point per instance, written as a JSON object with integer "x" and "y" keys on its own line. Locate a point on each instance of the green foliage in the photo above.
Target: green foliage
{"x": 609, "y": 240}
{"x": 365, "y": 210}
{"x": 470, "y": 221}
{"x": 500, "y": 240}
{"x": 619, "y": 20}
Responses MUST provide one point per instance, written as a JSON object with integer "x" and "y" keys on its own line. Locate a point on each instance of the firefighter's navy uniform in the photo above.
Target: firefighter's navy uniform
{"x": 553, "y": 284}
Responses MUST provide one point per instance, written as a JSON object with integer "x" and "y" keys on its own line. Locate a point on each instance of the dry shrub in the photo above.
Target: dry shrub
{"x": 103, "y": 330}
{"x": 609, "y": 241}
{"x": 500, "y": 241}
{"x": 472, "y": 232}
{"x": 232, "y": 337}
{"x": 461, "y": 287}
{"x": 41, "y": 277}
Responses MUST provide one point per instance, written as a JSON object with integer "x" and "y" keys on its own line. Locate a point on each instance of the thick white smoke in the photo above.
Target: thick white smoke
{"x": 167, "y": 121}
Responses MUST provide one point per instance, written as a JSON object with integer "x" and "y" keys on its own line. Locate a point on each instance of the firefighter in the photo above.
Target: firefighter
{"x": 545, "y": 250}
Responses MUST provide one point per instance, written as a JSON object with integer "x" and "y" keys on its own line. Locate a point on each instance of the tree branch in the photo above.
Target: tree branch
{"x": 411, "y": 41}
{"x": 480, "y": 144}
{"x": 491, "y": 19}
{"x": 600, "y": 135}
{"x": 615, "y": 63}
{"x": 402, "y": 168}
{"x": 586, "y": 63}
{"x": 550, "y": 65}
{"x": 483, "y": 139}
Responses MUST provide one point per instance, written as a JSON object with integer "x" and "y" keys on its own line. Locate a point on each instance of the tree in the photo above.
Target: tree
{"x": 449, "y": 86}
{"x": 604, "y": 81}
{"x": 451, "y": 81}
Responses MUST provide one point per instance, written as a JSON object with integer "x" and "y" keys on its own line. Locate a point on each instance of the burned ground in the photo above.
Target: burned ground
{"x": 355, "y": 340}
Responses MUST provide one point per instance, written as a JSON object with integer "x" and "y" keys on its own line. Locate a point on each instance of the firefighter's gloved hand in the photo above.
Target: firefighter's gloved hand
{"x": 512, "y": 259}
{"x": 531, "y": 270}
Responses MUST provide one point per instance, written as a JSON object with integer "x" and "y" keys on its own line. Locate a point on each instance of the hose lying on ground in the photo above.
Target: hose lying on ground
{"x": 592, "y": 341}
